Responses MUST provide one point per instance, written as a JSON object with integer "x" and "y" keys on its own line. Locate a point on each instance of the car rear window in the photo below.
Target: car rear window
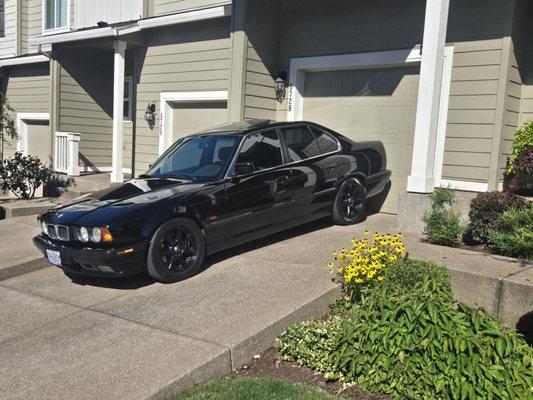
{"x": 326, "y": 142}
{"x": 301, "y": 143}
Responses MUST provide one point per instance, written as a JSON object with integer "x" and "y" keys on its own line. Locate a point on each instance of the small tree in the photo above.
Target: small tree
{"x": 23, "y": 175}
{"x": 8, "y": 129}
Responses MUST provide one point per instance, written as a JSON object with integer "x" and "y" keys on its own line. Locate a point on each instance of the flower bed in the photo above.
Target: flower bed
{"x": 399, "y": 332}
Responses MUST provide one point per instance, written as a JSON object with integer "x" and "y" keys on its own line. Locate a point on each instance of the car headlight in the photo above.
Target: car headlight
{"x": 84, "y": 234}
{"x": 96, "y": 235}
{"x": 101, "y": 235}
{"x": 44, "y": 227}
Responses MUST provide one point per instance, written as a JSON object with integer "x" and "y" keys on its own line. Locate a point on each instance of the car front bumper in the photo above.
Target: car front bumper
{"x": 119, "y": 261}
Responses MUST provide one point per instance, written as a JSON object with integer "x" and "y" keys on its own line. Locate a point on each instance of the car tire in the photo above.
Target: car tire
{"x": 176, "y": 252}
{"x": 350, "y": 202}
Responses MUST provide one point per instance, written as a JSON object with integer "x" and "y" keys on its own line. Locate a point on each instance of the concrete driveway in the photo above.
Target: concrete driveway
{"x": 137, "y": 339}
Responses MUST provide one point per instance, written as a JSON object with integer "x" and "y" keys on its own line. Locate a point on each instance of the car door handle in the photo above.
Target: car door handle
{"x": 282, "y": 180}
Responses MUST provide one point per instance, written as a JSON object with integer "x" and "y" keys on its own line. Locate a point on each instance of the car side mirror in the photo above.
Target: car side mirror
{"x": 244, "y": 168}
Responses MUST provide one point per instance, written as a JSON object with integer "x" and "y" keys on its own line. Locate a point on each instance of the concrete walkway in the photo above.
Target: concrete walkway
{"x": 136, "y": 339}
{"x": 18, "y": 255}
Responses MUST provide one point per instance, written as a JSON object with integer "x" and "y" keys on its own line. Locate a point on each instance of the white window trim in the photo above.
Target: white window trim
{"x": 53, "y": 31}
{"x": 22, "y": 128}
{"x": 166, "y": 112}
{"x": 129, "y": 117}
{"x": 299, "y": 66}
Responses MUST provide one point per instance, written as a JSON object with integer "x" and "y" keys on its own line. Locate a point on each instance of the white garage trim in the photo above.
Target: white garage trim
{"x": 22, "y": 128}
{"x": 166, "y": 100}
{"x": 299, "y": 66}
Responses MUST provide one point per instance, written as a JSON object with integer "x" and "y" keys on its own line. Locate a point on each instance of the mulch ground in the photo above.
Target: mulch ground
{"x": 268, "y": 366}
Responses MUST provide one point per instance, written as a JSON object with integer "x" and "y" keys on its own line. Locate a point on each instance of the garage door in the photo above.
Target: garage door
{"x": 39, "y": 140}
{"x": 369, "y": 104}
{"x": 189, "y": 118}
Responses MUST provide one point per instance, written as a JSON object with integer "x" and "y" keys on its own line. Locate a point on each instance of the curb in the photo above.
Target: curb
{"x": 24, "y": 268}
{"x": 223, "y": 364}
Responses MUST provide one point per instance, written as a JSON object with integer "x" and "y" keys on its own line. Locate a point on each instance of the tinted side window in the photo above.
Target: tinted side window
{"x": 326, "y": 142}
{"x": 301, "y": 143}
{"x": 262, "y": 150}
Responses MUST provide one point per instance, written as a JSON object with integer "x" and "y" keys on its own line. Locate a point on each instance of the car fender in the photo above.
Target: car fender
{"x": 354, "y": 174}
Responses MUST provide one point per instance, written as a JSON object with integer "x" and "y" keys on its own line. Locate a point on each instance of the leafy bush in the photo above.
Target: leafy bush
{"x": 524, "y": 162}
{"x": 418, "y": 344}
{"x": 523, "y": 141}
{"x": 442, "y": 225}
{"x": 310, "y": 342}
{"x": 423, "y": 346}
{"x": 365, "y": 262}
{"x": 23, "y": 175}
{"x": 514, "y": 235}
{"x": 406, "y": 275}
{"x": 485, "y": 213}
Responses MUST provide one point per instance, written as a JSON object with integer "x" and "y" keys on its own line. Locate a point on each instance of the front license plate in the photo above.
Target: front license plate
{"x": 54, "y": 257}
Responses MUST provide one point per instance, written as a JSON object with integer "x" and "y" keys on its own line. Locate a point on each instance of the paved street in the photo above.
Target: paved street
{"x": 135, "y": 339}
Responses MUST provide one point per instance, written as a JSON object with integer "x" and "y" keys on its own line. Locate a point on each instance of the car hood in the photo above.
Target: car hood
{"x": 135, "y": 192}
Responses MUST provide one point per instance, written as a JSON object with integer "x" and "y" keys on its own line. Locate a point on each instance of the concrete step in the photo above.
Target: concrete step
{"x": 20, "y": 208}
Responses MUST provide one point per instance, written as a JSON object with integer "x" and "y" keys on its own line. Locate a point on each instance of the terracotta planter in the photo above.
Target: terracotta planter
{"x": 519, "y": 184}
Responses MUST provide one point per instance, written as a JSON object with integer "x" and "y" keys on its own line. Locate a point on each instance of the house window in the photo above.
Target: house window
{"x": 128, "y": 91}
{"x": 56, "y": 16}
{"x": 2, "y": 18}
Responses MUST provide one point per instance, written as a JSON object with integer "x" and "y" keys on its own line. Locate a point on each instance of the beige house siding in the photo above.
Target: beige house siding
{"x": 30, "y": 23}
{"x": 86, "y": 103}
{"x": 8, "y": 43}
{"x": 35, "y": 18}
{"x": 261, "y": 60}
{"x": 24, "y": 27}
{"x": 471, "y": 110}
{"x": 477, "y": 30}
{"x": 194, "y": 57}
{"x": 175, "y": 6}
{"x": 27, "y": 89}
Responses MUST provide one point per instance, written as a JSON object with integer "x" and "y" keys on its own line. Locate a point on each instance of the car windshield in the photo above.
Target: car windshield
{"x": 196, "y": 158}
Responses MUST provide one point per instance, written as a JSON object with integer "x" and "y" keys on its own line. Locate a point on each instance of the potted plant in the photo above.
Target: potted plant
{"x": 518, "y": 176}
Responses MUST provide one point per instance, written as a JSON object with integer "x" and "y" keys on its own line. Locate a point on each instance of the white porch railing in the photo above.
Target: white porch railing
{"x": 66, "y": 153}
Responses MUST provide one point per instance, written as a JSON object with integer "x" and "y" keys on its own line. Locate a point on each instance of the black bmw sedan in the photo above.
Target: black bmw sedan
{"x": 211, "y": 191}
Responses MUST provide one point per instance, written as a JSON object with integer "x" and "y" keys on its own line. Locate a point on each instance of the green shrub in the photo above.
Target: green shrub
{"x": 420, "y": 345}
{"x": 310, "y": 342}
{"x": 485, "y": 214}
{"x": 405, "y": 275}
{"x": 523, "y": 140}
{"x": 442, "y": 225}
{"x": 23, "y": 175}
{"x": 514, "y": 235}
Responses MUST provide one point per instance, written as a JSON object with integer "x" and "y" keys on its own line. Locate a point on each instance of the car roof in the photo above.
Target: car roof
{"x": 243, "y": 127}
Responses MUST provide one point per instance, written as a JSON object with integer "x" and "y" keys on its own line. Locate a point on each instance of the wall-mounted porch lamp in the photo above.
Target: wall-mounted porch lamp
{"x": 280, "y": 86}
{"x": 149, "y": 115}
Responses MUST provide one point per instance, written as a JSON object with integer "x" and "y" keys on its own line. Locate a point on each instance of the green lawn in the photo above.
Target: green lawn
{"x": 253, "y": 389}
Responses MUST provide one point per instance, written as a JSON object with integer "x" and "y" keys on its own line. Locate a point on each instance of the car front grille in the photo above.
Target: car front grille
{"x": 59, "y": 232}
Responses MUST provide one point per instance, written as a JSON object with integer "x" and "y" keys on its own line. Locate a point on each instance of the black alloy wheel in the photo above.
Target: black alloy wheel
{"x": 350, "y": 203}
{"x": 176, "y": 251}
